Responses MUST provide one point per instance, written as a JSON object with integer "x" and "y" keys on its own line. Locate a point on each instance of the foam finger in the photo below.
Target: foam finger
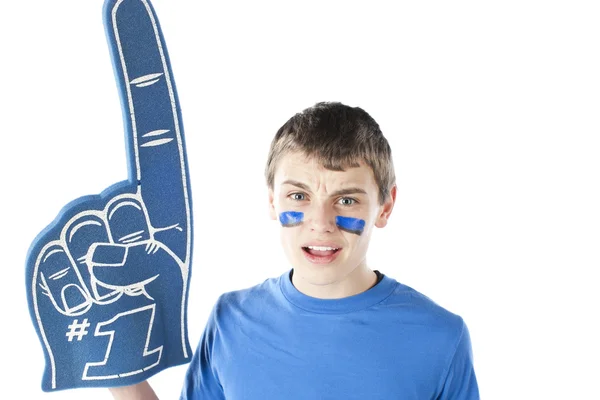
{"x": 153, "y": 120}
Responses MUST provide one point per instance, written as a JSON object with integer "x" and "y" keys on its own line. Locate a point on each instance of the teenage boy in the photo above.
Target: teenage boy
{"x": 330, "y": 327}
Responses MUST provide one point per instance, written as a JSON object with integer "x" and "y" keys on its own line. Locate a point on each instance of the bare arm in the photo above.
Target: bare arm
{"x": 141, "y": 391}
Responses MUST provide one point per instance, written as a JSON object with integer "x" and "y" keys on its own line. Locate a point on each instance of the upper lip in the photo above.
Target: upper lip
{"x": 323, "y": 244}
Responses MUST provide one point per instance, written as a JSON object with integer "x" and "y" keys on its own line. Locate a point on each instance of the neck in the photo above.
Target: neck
{"x": 357, "y": 281}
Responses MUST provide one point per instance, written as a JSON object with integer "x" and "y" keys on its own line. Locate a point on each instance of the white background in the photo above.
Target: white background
{"x": 492, "y": 110}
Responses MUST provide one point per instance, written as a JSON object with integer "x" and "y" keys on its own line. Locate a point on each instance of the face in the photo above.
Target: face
{"x": 327, "y": 218}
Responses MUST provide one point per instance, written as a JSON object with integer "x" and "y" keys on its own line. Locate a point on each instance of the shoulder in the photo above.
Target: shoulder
{"x": 248, "y": 298}
{"x": 438, "y": 330}
{"x": 237, "y": 310}
{"x": 417, "y": 308}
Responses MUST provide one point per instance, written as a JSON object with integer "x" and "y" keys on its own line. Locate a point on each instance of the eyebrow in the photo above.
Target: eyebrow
{"x": 352, "y": 190}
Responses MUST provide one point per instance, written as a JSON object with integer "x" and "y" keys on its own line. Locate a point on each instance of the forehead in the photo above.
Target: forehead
{"x": 296, "y": 166}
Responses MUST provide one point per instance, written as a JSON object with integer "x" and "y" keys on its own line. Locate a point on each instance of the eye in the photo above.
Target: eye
{"x": 347, "y": 201}
{"x": 297, "y": 196}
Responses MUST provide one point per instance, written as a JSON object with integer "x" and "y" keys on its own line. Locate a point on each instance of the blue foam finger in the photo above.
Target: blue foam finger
{"x": 108, "y": 279}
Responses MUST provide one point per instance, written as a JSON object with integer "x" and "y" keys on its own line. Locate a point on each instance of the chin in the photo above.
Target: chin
{"x": 319, "y": 274}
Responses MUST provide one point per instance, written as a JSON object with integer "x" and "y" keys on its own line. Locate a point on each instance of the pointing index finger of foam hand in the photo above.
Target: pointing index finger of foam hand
{"x": 154, "y": 130}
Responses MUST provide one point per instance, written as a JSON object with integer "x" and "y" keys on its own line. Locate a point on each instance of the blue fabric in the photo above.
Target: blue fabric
{"x": 107, "y": 280}
{"x": 273, "y": 342}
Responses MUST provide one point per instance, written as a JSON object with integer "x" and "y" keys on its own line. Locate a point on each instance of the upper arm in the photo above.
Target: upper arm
{"x": 460, "y": 382}
{"x": 201, "y": 379}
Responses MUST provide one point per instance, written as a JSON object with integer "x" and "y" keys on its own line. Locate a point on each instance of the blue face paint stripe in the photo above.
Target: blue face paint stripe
{"x": 291, "y": 218}
{"x": 352, "y": 225}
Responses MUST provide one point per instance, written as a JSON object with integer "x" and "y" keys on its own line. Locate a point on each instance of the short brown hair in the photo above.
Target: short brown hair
{"x": 338, "y": 137}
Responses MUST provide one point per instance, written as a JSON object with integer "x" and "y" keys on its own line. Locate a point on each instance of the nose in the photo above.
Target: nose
{"x": 321, "y": 219}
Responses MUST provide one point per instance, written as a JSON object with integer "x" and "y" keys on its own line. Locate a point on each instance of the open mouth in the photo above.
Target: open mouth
{"x": 320, "y": 251}
{"x": 320, "y": 254}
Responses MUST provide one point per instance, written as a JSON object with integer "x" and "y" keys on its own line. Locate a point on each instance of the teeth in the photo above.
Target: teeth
{"x": 322, "y": 248}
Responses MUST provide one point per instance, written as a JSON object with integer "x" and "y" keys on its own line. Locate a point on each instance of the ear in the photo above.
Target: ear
{"x": 272, "y": 212}
{"x": 386, "y": 209}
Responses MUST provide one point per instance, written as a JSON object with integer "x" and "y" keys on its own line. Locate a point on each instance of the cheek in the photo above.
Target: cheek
{"x": 356, "y": 231}
{"x": 289, "y": 239}
{"x": 290, "y": 224}
{"x": 357, "y": 245}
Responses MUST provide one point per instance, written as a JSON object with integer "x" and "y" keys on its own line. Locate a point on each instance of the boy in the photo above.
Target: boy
{"x": 330, "y": 327}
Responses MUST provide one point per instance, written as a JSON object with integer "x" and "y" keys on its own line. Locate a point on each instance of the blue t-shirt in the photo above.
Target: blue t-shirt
{"x": 272, "y": 342}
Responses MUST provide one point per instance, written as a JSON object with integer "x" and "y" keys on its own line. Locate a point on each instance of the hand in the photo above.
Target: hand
{"x": 141, "y": 391}
{"x": 107, "y": 280}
